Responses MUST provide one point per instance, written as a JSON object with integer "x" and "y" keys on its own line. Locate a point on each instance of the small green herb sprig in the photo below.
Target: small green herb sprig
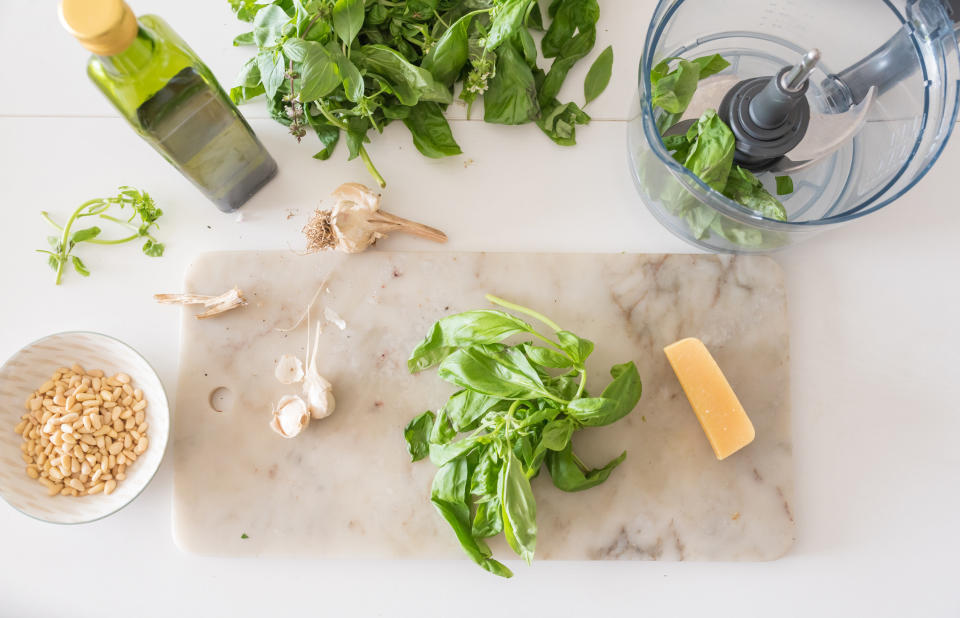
{"x": 520, "y": 406}
{"x": 143, "y": 217}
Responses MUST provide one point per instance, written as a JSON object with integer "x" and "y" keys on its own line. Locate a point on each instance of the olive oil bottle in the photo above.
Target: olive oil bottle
{"x": 171, "y": 99}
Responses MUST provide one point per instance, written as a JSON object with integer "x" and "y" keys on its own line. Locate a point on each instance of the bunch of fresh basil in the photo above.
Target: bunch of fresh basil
{"x": 519, "y": 406}
{"x": 707, "y": 150}
{"x": 349, "y": 66}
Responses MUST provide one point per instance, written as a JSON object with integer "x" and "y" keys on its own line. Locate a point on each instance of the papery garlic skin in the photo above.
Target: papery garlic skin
{"x": 290, "y": 416}
{"x": 334, "y": 318}
{"x": 289, "y": 369}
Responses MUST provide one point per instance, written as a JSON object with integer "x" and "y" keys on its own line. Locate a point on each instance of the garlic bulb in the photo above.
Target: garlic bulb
{"x": 289, "y": 369}
{"x": 290, "y": 416}
{"x": 355, "y": 222}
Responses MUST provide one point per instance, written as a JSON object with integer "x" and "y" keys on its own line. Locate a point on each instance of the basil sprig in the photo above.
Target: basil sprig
{"x": 519, "y": 407}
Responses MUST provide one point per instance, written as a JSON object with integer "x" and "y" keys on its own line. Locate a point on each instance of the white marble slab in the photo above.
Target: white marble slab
{"x": 346, "y": 489}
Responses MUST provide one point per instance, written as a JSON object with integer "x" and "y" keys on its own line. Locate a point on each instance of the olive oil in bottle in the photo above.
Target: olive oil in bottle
{"x": 171, "y": 99}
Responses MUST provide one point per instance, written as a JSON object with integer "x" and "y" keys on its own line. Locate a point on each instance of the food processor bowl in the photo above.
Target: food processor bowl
{"x": 906, "y": 49}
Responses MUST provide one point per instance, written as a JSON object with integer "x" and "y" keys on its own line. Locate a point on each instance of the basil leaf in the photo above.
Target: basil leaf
{"x": 711, "y": 156}
{"x": 746, "y": 189}
{"x": 511, "y": 97}
{"x": 572, "y": 51}
{"x": 417, "y": 433}
{"x": 493, "y": 370}
{"x": 245, "y": 10}
{"x": 468, "y": 328}
{"x": 546, "y": 357}
{"x": 297, "y": 49}
{"x": 443, "y": 431}
{"x": 271, "y": 16}
{"x": 271, "y": 71}
{"x": 242, "y": 94}
{"x": 348, "y": 19}
{"x": 559, "y": 122}
{"x": 153, "y": 248}
{"x": 353, "y": 84}
{"x": 518, "y": 508}
{"x": 505, "y": 21}
{"x": 710, "y": 65}
{"x": 244, "y": 39}
{"x": 409, "y": 83}
{"x": 568, "y": 17}
{"x": 488, "y": 520}
{"x": 430, "y": 131}
{"x": 328, "y": 134}
{"x": 466, "y": 406}
{"x": 249, "y": 76}
{"x": 318, "y": 74}
{"x": 618, "y": 399}
{"x": 449, "y": 55}
{"x": 486, "y": 475}
{"x": 356, "y": 135}
{"x": 442, "y": 453}
{"x": 84, "y": 234}
{"x": 784, "y": 185}
{"x": 578, "y": 348}
{"x": 674, "y": 90}
{"x": 79, "y": 266}
{"x": 599, "y": 75}
{"x": 448, "y": 495}
{"x": 567, "y": 475}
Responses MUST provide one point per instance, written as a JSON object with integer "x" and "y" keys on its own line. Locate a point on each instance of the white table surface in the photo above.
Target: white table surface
{"x": 873, "y": 311}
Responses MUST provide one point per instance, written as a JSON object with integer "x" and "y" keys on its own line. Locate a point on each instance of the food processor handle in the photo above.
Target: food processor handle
{"x": 891, "y": 63}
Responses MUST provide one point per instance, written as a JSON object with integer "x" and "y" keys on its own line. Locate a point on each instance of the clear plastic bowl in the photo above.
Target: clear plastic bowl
{"x": 910, "y": 43}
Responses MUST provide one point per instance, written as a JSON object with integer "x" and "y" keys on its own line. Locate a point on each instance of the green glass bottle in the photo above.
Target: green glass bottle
{"x": 171, "y": 99}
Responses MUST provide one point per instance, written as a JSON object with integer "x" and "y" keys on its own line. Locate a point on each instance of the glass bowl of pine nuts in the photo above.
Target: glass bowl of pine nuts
{"x": 84, "y": 422}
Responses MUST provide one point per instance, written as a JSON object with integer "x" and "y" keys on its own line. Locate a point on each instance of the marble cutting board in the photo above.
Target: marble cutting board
{"x": 345, "y": 488}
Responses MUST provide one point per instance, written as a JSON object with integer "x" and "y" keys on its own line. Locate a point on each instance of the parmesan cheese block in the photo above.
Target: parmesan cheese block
{"x": 716, "y": 405}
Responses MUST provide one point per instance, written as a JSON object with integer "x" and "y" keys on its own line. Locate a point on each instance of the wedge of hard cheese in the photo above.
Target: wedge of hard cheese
{"x": 716, "y": 405}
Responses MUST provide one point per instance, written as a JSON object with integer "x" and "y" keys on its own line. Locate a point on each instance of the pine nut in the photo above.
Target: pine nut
{"x": 81, "y": 431}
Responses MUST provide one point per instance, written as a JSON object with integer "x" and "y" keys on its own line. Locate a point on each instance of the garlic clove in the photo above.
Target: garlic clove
{"x": 290, "y": 416}
{"x": 334, "y": 317}
{"x": 319, "y": 394}
{"x": 289, "y": 369}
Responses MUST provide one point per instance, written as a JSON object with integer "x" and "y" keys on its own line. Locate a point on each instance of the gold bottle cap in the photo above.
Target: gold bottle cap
{"x": 105, "y": 27}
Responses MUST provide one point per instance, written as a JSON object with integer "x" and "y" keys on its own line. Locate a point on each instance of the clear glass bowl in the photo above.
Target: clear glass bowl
{"x": 907, "y": 125}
